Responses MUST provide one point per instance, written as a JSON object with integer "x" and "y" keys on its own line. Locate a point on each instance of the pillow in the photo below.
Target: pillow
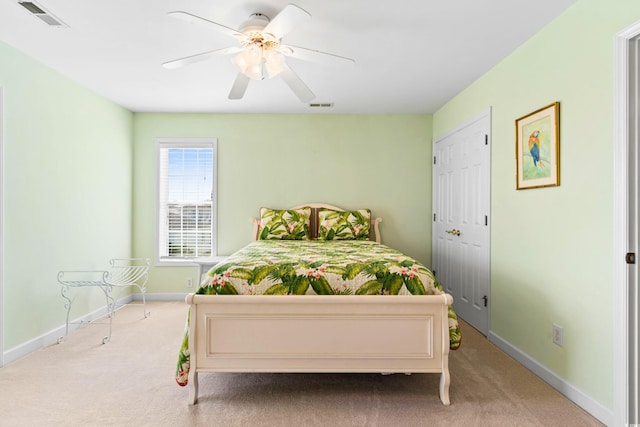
{"x": 284, "y": 224}
{"x": 348, "y": 225}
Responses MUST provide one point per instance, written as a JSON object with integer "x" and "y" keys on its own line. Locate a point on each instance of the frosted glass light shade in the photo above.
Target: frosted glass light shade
{"x": 253, "y": 61}
{"x": 274, "y": 63}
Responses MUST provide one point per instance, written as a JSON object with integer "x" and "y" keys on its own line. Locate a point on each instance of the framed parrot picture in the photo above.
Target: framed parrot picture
{"x": 538, "y": 148}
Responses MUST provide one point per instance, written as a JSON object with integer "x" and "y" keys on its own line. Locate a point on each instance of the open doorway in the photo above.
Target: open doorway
{"x": 626, "y": 196}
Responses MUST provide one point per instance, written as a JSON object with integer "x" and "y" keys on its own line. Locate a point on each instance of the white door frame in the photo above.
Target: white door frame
{"x": 1, "y": 233}
{"x": 625, "y": 174}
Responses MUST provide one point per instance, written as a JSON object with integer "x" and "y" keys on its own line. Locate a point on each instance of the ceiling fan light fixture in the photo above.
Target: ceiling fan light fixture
{"x": 250, "y": 62}
{"x": 255, "y": 72}
{"x": 256, "y": 22}
{"x": 240, "y": 62}
{"x": 274, "y": 63}
{"x": 251, "y": 70}
{"x": 260, "y": 51}
{"x": 254, "y": 60}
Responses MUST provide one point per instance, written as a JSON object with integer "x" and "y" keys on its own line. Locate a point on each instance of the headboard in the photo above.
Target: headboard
{"x": 374, "y": 233}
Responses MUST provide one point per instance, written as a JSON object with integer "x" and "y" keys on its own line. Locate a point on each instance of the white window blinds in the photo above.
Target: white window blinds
{"x": 186, "y": 199}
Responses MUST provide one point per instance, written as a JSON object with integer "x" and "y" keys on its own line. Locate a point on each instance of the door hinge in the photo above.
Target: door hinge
{"x": 434, "y": 217}
{"x": 434, "y": 160}
{"x": 486, "y": 139}
{"x": 630, "y": 258}
{"x": 486, "y": 220}
{"x": 486, "y": 300}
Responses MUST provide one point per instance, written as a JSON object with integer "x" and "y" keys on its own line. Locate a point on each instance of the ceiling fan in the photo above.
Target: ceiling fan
{"x": 260, "y": 51}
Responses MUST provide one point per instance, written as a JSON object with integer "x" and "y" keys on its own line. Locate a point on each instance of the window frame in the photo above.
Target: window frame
{"x": 182, "y": 143}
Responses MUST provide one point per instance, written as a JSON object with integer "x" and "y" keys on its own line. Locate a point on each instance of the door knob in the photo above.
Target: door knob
{"x": 454, "y": 232}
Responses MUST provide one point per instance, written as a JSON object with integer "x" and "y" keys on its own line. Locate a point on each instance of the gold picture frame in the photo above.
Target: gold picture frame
{"x": 538, "y": 148}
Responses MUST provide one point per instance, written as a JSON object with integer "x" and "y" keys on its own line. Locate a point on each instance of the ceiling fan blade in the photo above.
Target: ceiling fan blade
{"x": 285, "y": 21}
{"x": 185, "y": 16}
{"x": 296, "y": 84}
{"x": 313, "y": 55}
{"x": 239, "y": 86}
{"x": 177, "y": 63}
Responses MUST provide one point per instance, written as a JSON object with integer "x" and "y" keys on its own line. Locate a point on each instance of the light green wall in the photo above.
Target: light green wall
{"x": 552, "y": 247}
{"x": 353, "y": 161}
{"x": 67, "y": 192}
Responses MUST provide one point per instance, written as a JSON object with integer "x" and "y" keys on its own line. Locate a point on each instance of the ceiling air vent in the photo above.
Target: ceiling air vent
{"x": 321, "y": 105}
{"x": 41, "y": 13}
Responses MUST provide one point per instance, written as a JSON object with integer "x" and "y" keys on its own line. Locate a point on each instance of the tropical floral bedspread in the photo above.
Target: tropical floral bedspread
{"x": 337, "y": 267}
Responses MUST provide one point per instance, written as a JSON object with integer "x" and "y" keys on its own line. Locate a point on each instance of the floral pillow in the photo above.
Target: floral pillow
{"x": 348, "y": 225}
{"x": 284, "y": 224}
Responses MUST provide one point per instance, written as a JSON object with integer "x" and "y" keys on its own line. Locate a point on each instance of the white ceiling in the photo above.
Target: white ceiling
{"x": 411, "y": 55}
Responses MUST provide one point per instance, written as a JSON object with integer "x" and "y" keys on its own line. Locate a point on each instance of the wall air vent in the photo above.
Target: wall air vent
{"x": 321, "y": 105}
{"x": 41, "y": 13}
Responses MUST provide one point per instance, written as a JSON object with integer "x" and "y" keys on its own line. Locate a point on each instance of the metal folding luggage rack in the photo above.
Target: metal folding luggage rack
{"x": 123, "y": 273}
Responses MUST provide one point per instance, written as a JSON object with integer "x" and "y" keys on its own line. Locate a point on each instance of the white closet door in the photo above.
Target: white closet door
{"x": 461, "y": 220}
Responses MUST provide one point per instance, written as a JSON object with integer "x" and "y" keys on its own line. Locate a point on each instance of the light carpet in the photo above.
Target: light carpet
{"x": 130, "y": 382}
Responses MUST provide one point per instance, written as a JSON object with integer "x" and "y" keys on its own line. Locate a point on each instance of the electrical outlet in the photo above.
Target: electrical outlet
{"x": 557, "y": 335}
{"x": 189, "y": 282}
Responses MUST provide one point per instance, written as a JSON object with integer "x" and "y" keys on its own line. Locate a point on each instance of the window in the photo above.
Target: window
{"x": 186, "y": 199}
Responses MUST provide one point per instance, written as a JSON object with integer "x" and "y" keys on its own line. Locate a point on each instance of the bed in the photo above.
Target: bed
{"x": 305, "y": 296}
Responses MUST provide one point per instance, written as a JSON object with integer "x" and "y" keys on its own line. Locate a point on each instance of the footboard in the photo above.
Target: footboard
{"x": 319, "y": 333}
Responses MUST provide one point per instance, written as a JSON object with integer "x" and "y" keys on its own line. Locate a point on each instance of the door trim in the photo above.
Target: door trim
{"x": 466, "y": 123}
{"x": 623, "y": 173}
{"x": 1, "y": 229}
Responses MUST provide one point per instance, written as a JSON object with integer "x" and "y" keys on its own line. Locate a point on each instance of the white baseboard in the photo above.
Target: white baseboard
{"x": 577, "y": 396}
{"x": 160, "y": 296}
{"x": 52, "y": 336}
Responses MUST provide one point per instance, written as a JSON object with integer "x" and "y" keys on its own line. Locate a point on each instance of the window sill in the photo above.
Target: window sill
{"x": 189, "y": 262}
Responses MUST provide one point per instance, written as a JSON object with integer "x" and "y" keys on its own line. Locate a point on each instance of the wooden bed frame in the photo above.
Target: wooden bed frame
{"x": 319, "y": 333}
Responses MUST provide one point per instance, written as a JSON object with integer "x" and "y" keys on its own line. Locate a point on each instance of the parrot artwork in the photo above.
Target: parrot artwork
{"x": 534, "y": 148}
